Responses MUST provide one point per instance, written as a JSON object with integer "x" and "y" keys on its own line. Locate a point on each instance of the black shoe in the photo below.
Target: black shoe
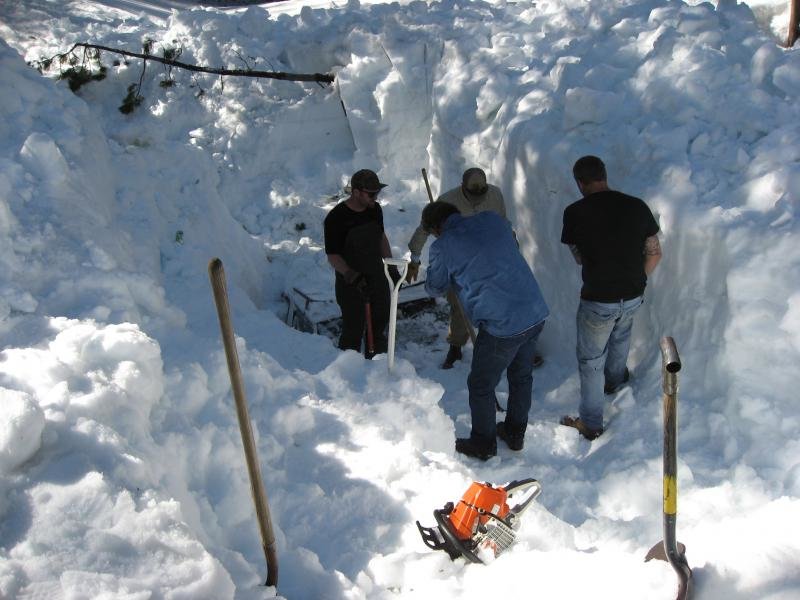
{"x": 538, "y": 361}
{"x": 610, "y": 389}
{"x": 453, "y": 354}
{"x": 515, "y": 441}
{"x": 475, "y": 449}
{"x": 589, "y": 434}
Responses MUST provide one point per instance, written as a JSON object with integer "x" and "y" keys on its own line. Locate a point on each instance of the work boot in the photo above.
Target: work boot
{"x": 453, "y": 354}
{"x": 515, "y": 440}
{"x": 475, "y": 448}
{"x": 589, "y": 434}
{"x": 610, "y": 389}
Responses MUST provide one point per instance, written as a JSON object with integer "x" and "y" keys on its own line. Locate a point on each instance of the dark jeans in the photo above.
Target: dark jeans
{"x": 352, "y": 303}
{"x": 490, "y": 357}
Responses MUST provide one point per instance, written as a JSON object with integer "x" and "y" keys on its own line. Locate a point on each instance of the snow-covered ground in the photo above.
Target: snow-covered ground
{"x": 121, "y": 468}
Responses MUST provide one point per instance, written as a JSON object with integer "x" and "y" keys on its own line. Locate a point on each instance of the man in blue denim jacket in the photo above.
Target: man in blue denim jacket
{"x": 614, "y": 238}
{"x": 478, "y": 257}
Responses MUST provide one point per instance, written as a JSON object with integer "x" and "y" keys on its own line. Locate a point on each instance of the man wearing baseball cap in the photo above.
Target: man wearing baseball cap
{"x": 356, "y": 244}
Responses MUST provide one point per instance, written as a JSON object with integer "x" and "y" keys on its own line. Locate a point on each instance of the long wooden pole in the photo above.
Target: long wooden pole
{"x": 368, "y": 322}
{"x": 427, "y": 184}
{"x": 217, "y": 275}
{"x": 794, "y": 23}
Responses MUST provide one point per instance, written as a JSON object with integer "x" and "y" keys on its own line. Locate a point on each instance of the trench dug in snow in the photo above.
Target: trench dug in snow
{"x": 129, "y": 393}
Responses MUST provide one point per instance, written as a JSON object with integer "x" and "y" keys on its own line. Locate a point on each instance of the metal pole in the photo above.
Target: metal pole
{"x": 217, "y": 275}
{"x": 402, "y": 267}
{"x": 670, "y": 550}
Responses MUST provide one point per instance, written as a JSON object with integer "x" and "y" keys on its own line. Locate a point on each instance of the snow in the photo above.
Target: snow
{"x": 121, "y": 466}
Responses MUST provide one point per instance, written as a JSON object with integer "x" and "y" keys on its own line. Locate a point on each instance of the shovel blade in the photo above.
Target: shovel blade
{"x": 657, "y": 552}
{"x": 679, "y": 564}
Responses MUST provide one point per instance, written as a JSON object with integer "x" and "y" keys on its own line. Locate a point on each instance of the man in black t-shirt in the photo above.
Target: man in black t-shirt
{"x": 356, "y": 245}
{"x": 614, "y": 238}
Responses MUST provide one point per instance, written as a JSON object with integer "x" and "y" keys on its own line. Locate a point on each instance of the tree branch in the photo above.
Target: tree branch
{"x": 320, "y": 77}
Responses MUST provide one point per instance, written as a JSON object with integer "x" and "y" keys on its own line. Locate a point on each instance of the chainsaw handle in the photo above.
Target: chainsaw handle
{"x": 533, "y": 488}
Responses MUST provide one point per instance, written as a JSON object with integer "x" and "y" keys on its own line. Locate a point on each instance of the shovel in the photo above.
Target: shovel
{"x": 216, "y": 273}
{"x": 402, "y": 267}
{"x": 669, "y": 549}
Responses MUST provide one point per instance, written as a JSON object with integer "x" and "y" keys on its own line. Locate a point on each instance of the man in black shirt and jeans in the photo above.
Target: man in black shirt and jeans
{"x": 614, "y": 238}
{"x": 356, "y": 244}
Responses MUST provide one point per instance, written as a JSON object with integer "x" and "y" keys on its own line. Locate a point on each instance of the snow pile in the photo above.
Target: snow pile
{"x": 21, "y": 436}
{"x": 121, "y": 469}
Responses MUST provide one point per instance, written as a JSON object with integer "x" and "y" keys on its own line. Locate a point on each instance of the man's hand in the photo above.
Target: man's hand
{"x": 412, "y": 272}
{"x": 356, "y": 279}
{"x": 576, "y": 254}
{"x": 394, "y": 273}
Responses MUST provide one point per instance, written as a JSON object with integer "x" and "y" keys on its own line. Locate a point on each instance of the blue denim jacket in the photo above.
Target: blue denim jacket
{"x": 479, "y": 258}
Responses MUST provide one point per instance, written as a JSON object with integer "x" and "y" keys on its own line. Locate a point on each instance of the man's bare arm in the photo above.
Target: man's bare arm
{"x": 652, "y": 254}
{"x": 338, "y": 263}
{"x": 575, "y": 253}
{"x": 386, "y": 249}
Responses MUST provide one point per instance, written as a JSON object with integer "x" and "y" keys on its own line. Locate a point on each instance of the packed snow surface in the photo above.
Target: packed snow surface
{"x": 122, "y": 473}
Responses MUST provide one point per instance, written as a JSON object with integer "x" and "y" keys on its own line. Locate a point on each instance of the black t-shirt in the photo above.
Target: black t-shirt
{"x": 356, "y": 236}
{"x": 610, "y": 228}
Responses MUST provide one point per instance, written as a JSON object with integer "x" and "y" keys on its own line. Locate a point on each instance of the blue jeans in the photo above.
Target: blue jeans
{"x": 604, "y": 339}
{"x": 491, "y": 356}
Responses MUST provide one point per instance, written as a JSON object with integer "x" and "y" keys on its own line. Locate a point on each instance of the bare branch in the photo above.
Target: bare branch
{"x": 319, "y": 77}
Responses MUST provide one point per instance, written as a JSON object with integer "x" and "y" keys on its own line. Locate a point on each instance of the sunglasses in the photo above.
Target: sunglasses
{"x": 371, "y": 194}
{"x": 478, "y": 191}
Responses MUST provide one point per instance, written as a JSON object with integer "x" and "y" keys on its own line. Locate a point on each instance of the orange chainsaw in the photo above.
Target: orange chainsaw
{"x": 482, "y": 525}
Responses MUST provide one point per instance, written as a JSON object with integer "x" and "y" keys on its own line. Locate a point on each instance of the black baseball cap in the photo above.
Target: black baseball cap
{"x": 366, "y": 180}
{"x": 474, "y": 181}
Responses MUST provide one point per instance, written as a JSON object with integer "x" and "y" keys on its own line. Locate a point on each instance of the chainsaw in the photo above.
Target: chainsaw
{"x": 482, "y": 525}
